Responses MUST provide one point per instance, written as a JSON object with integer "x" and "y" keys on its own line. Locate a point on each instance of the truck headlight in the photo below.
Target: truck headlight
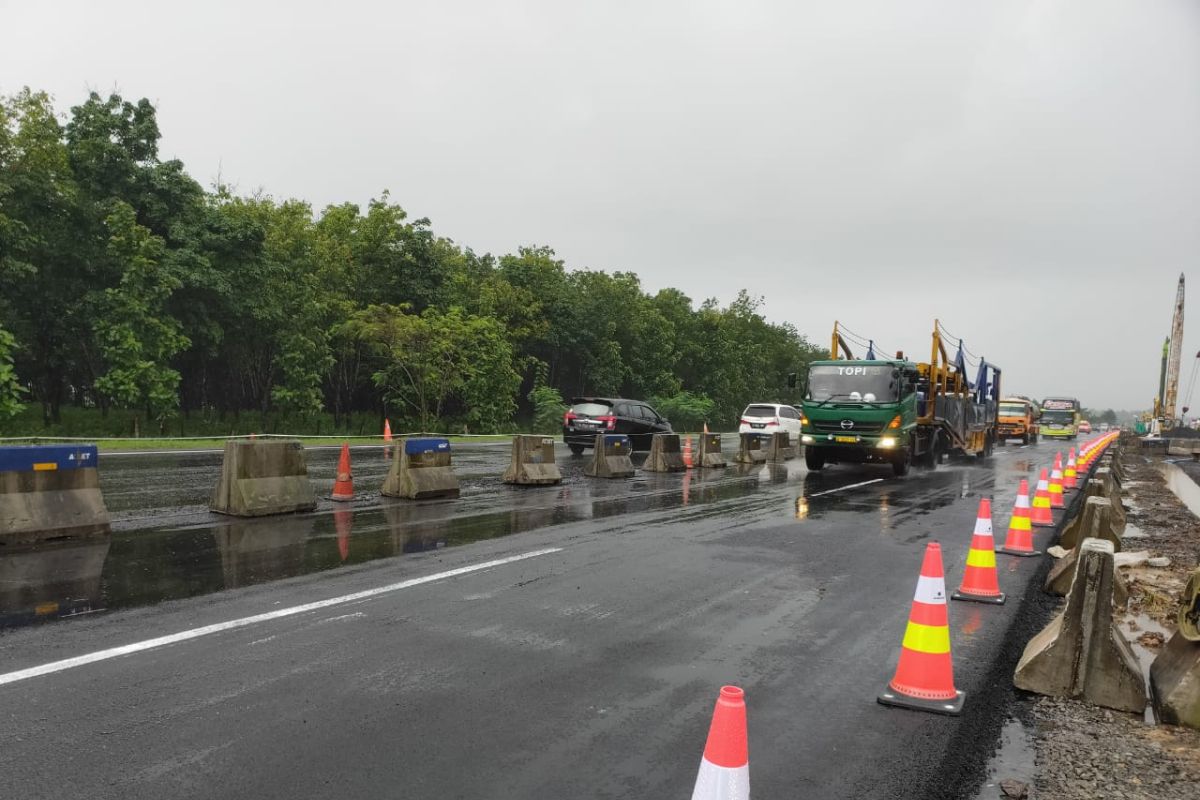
{"x": 887, "y": 441}
{"x": 806, "y": 439}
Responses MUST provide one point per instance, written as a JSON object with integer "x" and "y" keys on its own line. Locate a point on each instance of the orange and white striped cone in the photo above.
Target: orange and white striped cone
{"x": 343, "y": 484}
{"x": 1056, "y": 483}
{"x": 1019, "y": 541}
{"x": 1069, "y": 483}
{"x": 1041, "y": 516}
{"x": 981, "y": 583}
{"x": 924, "y": 679}
{"x": 725, "y": 767}
{"x": 387, "y": 438}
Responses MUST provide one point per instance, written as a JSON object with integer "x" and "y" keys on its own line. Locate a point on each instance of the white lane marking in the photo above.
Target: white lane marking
{"x": 195, "y": 633}
{"x": 844, "y": 488}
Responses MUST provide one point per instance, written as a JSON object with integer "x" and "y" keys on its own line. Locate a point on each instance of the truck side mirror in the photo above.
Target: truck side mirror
{"x": 791, "y": 380}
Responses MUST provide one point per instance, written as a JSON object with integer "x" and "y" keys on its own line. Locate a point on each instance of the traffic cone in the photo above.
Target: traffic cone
{"x": 343, "y": 485}
{"x": 1056, "y": 483}
{"x": 980, "y": 582}
{"x": 387, "y": 438}
{"x": 1069, "y": 473}
{"x": 687, "y": 452}
{"x": 343, "y": 522}
{"x": 725, "y": 767}
{"x": 924, "y": 679}
{"x": 1019, "y": 541}
{"x": 1041, "y": 516}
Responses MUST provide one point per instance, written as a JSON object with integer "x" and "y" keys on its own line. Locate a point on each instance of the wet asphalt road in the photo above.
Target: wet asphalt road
{"x": 588, "y": 671}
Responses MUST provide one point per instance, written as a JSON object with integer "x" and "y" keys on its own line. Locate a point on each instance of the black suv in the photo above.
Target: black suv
{"x": 589, "y": 416}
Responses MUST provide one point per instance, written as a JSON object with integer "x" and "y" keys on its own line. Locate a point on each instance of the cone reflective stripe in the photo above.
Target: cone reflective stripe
{"x": 1019, "y": 541}
{"x": 1056, "y": 488}
{"x": 1041, "y": 516}
{"x": 1069, "y": 472}
{"x": 980, "y": 582}
{"x": 725, "y": 767}
{"x": 924, "y": 679}
{"x": 343, "y": 485}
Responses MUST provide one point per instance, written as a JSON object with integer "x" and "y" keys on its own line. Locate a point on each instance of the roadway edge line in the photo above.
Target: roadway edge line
{"x": 196, "y": 633}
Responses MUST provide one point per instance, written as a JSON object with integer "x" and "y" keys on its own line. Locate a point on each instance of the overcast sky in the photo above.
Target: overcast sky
{"x": 1029, "y": 172}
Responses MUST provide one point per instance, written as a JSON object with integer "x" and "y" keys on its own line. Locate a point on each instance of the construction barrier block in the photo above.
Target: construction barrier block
{"x": 610, "y": 457}
{"x": 532, "y": 462}
{"x": 421, "y": 470}
{"x": 50, "y": 492}
{"x": 780, "y": 447}
{"x": 710, "y": 451}
{"x": 666, "y": 454}
{"x": 1097, "y": 520}
{"x": 1175, "y": 682}
{"x": 750, "y": 449}
{"x": 1081, "y": 654}
{"x": 261, "y": 477}
{"x": 1096, "y": 515}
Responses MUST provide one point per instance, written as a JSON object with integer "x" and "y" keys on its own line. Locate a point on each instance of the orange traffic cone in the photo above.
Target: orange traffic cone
{"x": 687, "y": 452}
{"x": 924, "y": 679}
{"x": 387, "y": 438}
{"x": 1042, "y": 517}
{"x": 1056, "y": 483}
{"x": 343, "y": 485}
{"x": 980, "y": 582}
{"x": 1019, "y": 541}
{"x": 725, "y": 767}
{"x": 706, "y": 426}
{"x": 343, "y": 522}
{"x": 1069, "y": 473}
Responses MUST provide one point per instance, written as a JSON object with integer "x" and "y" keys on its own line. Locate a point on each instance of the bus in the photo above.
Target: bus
{"x": 1060, "y": 417}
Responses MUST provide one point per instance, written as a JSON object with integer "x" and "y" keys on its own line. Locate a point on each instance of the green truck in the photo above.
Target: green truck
{"x": 897, "y": 411}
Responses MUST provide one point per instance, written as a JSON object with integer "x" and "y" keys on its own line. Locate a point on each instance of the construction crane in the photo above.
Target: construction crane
{"x": 1168, "y": 382}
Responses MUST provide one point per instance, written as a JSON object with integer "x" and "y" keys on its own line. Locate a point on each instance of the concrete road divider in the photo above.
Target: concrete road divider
{"x": 50, "y": 492}
{"x": 710, "y": 451}
{"x": 262, "y": 477}
{"x": 421, "y": 470}
{"x": 1091, "y": 522}
{"x": 666, "y": 454}
{"x": 1081, "y": 654}
{"x": 1175, "y": 673}
{"x": 780, "y": 447}
{"x": 725, "y": 766}
{"x": 1095, "y": 522}
{"x": 532, "y": 462}
{"x": 610, "y": 457}
{"x": 750, "y": 449}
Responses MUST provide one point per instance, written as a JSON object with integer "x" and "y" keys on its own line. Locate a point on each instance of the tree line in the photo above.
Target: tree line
{"x": 125, "y": 284}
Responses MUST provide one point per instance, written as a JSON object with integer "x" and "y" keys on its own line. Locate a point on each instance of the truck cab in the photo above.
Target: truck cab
{"x": 1018, "y": 420}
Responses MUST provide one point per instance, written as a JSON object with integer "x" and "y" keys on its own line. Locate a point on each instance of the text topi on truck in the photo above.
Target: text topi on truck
{"x": 896, "y": 411}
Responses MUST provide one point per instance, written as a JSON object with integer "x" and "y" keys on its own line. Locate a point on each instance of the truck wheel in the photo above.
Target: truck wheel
{"x": 814, "y": 458}
{"x": 576, "y": 449}
{"x": 1025, "y": 439}
{"x": 933, "y": 456}
{"x": 902, "y": 462}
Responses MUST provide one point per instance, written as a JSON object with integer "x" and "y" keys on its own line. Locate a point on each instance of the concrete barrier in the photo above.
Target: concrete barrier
{"x": 750, "y": 449}
{"x": 710, "y": 451}
{"x": 262, "y": 477}
{"x": 1096, "y": 519}
{"x": 50, "y": 492}
{"x": 532, "y": 462}
{"x": 610, "y": 457}
{"x": 421, "y": 470}
{"x": 666, "y": 455}
{"x": 1081, "y": 654}
{"x": 780, "y": 447}
{"x": 1184, "y": 447}
{"x": 1094, "y": 522}
{"x": 1175, "y": 682}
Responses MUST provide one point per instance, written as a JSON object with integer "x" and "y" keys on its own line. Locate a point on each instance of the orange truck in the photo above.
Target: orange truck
{"x": 1018, "y": 420}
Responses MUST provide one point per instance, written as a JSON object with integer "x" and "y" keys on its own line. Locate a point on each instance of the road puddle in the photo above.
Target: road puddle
{"x": 1014, "y": 760}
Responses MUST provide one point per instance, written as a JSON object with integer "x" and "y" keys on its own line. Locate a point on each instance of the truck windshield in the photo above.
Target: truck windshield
{"x": 851, "y": 383}
{"x": 1058, "y": 417}
{"x": 1012, "y": 410}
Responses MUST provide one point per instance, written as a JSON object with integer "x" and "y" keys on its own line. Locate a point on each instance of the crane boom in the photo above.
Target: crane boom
{"x": 1172, "y": 389}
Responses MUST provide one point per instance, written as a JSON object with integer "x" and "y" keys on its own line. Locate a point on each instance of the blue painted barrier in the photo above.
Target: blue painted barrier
{"x": 47, "y": 457}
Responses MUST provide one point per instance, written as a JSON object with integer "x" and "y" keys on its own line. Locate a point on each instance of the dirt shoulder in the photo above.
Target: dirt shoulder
{"x": 1086, "y": 753}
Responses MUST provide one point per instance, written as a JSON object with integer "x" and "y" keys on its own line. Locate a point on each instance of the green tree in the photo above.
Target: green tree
{"x": 137, "y": 338}
{"x": 10, "y": 389}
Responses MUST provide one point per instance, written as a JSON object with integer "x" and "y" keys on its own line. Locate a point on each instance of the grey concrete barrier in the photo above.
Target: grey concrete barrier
{"x": 50, "y": 492}
{"x": 666, "y": 454}
{"x": 1096, "y": 519}
{"x": 532, "y": 462}
{"x": 610, "y": 457}
{"x": 1184, "y": 447}
{"x": 780, "y": 447}
{"x": 1175, "y": 682}
{"x": 1081, "y": 654}
{"x": 750, "y": 449}
{"x": 1095, "y": 522}
{"x": 421, "y": 470}
{"x": 710, "y": 454}
{"x": 262, "y": 477}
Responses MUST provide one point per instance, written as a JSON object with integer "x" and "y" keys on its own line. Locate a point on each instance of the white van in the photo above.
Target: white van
{"x": 770, "y": 418}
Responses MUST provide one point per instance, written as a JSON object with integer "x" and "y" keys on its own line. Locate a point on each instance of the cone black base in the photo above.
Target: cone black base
{"x": 997, "y": 600}
{"x": 951, "y": 708}
{"x": 1018, "y": 552}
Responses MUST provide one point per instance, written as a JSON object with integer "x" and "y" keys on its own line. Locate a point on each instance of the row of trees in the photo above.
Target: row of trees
{"x": 125, "y": 284}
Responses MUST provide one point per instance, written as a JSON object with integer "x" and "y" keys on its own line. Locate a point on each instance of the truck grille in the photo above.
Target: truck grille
{"x": 835, "y": 426}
